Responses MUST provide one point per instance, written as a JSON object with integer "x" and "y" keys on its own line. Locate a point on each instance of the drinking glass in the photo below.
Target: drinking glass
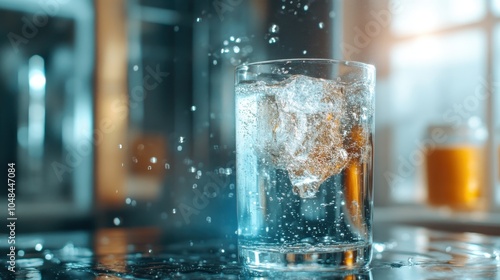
{"x": 304, "y": 157}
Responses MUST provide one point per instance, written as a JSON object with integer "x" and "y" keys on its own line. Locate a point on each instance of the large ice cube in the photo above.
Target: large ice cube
{"x": 307, "y": 133}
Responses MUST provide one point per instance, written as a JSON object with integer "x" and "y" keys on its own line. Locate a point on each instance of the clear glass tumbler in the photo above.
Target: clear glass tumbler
{"x": 304, "y": 157}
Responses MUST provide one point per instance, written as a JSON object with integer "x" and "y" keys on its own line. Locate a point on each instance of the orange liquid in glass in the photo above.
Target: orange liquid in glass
{"x": 454, "y": 176}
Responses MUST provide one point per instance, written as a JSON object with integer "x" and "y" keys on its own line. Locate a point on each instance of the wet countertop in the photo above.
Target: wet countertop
{"x": 400, "y": 252}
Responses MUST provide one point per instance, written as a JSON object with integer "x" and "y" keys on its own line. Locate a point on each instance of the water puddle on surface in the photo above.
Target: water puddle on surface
{"x": 408, "y": 253}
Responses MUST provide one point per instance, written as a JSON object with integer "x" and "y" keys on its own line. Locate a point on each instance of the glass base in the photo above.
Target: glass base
{"x": 325, "y": 258}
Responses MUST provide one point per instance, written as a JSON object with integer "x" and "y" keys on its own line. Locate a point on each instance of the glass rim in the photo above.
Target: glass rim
{"x": 350, "y": 63}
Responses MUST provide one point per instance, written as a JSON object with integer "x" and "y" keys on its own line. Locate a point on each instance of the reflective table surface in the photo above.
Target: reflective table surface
{"x": 400, "y": 252}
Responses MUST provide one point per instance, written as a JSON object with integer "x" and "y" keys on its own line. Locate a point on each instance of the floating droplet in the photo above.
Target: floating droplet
{"x": 116, "y": 221}
{"x": 193, "y": 108}
{"x": 38, "y": 247}
{"x": 120, "y": 146}
{"x": 136, "y": 67}
{"x": 209, "y": 219}
{"x": 321, "y": 25}
{"x": 153, "y": 160}
{"x": 273, "y": 40}
{"x": 274, "y": 28}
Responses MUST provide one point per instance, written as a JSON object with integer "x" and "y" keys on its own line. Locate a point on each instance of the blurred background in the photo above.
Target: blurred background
{"x": 120, "y": 113}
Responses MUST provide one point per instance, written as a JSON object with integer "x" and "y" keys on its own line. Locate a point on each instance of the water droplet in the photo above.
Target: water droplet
{"x": 321, "y": 25}
{"x": 176, "y": 28}
{"x": 195, "y": 186}
{"x": 193, "y": 108}
{"x": 49, "y": 256}
{"x": 231, "y": 186}
{"x": 306, "y": 7}
{"x": 20, "y": 253}
{"x": 396, "y": 265}
{"x": 181, "y": 139}
{"x": 198, "y": 19}
{"x": 222, "y": 251}
{"x": 179, "y": 148}
{"x": 214, "y": 62}
{"x": 331, "y": 14}
{"x": 174, "y": 210}
{"x": 236, "y": 49}
{"x": 304, "y": 52}
{"x": 120, "y": 146}
{"x": 267, "y": 229}
{"x": 192, "y": 169}
{"x": 274, "y": 28}
{"x": 167, "y": 166}
{"x": 191, "y": 243}
{"x": 231, "y": 38}
{"x": 225, "y": 43}
{"x": 128, "y": 200}
{"x": 273, "y": 40}
{"x": 116, "y": 221}
{"x": 209, "y": 219}
{"x": 153, "y": 160}
{"x": 134, "y": 203}
{"x": 38, "y": 247}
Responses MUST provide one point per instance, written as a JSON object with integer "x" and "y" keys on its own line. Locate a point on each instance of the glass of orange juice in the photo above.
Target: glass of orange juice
{"x": 455, "y": 170}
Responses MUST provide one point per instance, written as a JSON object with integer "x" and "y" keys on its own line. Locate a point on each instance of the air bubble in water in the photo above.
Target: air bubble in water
{"x": 120, "y": 146}
{"x": 136, "y": 67}
{"x": 193, "y": 108}
{"x": 304, "y": 52}
{"x": 321, "y": 25}
{"x": 174, "y": 210}
{"x": 128, "y": 200}
{"x": 117, "y": 221}
{"x": 209, "y": 219}
{"x": 153, "y": 160}
{"x": 306, "y": 7}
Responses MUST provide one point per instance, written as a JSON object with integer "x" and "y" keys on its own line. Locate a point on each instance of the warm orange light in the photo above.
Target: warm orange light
{"x": 455, "y": 176}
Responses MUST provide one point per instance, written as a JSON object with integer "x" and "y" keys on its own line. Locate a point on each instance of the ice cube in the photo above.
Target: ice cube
{"x": 307, "y": 135}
